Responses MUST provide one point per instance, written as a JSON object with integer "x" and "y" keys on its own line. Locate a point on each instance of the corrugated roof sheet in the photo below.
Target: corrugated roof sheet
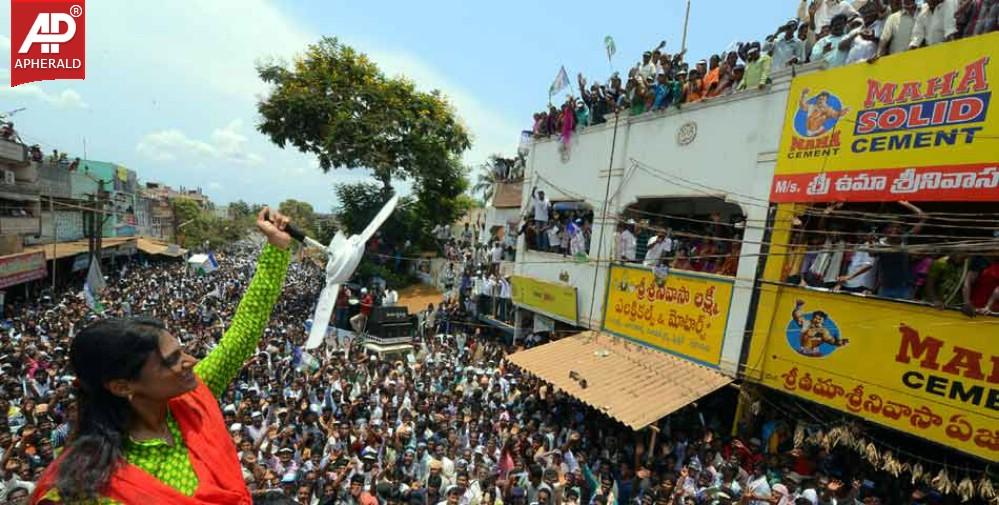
{"x": 74, "y": 247}
{"x": 156, "y": 246}
{"x": 630, "y": 383}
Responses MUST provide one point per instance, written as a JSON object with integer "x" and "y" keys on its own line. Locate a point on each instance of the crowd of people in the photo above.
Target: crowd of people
{"x": 471, "y": 279}
{"x": 567, "y": 232}
{"x": 837, "y": 32}
{"x": 451, "y": 423}
{"x": 711, "y": 245}
{"x": 892, "y": 256}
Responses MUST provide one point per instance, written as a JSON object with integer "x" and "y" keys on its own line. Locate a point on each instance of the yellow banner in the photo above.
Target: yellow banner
{"x": 685, "y": 315}
{"x": 914, "y": 126}
{"x": 930, "y": 373}
{"x": 557, "y": 301}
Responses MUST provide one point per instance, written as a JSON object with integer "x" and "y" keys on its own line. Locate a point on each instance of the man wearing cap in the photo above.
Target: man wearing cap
{"x": 256, "y": 429}
{"x": 284, "y": 463}
{"x": 788, "y": 50}
{"x": 647, "y": 69}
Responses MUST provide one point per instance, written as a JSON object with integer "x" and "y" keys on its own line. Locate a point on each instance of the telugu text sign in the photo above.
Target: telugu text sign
{"x": 913, "y": 126}
{"x": 933, "y": 374}
{"x": 686, "y": 315}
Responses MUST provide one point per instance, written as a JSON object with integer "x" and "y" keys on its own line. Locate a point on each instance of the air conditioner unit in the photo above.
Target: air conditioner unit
{"x": 8, "y": 177}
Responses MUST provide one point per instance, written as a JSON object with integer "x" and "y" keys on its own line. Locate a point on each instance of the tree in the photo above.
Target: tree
{"x": 240, "y": 209}
{"x": 497, "y": 170}
{"x": 485, "y": 184}
{"x": 301, "y": 214}
{"x": 197, "y": 227}
{"x": 335, "y": 103}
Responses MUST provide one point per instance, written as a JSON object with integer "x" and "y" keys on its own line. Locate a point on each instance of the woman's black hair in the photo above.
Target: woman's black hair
{"x": 104, "y": 351}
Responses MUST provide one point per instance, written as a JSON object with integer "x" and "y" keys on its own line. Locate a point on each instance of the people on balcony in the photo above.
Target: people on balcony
{"x": 837, "y": 32}
{"x": 889, "y": 255}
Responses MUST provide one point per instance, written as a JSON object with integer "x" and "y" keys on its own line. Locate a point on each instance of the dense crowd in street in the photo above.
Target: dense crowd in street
{"x": 451, "y": 423}
{"x": 837, "y": 32}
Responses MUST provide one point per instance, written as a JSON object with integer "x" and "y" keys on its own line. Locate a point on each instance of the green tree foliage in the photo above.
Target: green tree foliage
{"x": 486, "y": 179}
{"x": 301, "y": 214}
{"x": 240, "y": 209}
{"x": 197, "y": 227}
{"x": 334, "y": 102}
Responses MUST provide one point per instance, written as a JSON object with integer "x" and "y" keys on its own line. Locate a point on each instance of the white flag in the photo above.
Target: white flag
{"x": 94, "y": 277}
{"x": 561, "y": 82}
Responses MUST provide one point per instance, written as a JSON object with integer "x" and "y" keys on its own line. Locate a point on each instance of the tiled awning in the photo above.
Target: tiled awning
{"x": 630, "y": 383}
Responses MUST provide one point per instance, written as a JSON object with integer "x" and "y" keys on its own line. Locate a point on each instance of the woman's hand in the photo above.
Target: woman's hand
{"x": 274, "y": 229}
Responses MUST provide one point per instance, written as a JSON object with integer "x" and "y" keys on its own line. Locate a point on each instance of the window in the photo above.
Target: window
{"x": 941, "y": 254}
{"x": 701, "y": 234}
{"x": 566, "y": 230}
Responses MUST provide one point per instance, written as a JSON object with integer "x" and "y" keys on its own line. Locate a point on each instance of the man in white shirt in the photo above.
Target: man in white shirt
{"x": 827, "y": 10}
{"x": 659, "y": 246}
{"x": 788, "y": 50}
{"x": 860, "y": 274}
{"x": 935, "y": 23}
{"x": 648, "y": 68}
{"x": 540, "y": 205}
{"x": 897, "y": 33}
{"x": 553, "y": 237}
{"x": 496, "y": 257}
{"x": 506, "y": 294}
{"x": 626, "y": 242}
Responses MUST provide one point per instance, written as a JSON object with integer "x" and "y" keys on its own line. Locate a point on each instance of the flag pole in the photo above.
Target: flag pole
{"x": 686, "y": 20}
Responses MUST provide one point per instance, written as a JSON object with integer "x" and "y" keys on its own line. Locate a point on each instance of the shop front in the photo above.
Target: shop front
{"x": 20, "y": 268}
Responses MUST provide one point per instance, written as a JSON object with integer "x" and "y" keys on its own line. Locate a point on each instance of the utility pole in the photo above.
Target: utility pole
{"x": 95, "y": 225}
{"x": 55, "y": 240}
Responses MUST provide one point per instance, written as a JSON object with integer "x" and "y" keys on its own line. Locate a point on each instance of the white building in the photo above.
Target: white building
{"x": 713, "y": 156}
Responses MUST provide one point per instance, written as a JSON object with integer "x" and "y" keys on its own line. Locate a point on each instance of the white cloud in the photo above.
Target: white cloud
{"x": 224, "y": 56}
{"x": 68, "y": 98}
{"x": 491, "y": 132}
{"x": 157, "y": 70}
{"x": 226, "y": 144}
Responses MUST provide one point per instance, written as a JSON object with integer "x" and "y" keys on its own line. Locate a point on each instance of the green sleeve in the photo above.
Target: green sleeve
{"x": 223, "y": 363}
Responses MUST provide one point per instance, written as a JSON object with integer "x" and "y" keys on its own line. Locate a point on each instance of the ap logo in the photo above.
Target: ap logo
{"x": 47, "y": 40}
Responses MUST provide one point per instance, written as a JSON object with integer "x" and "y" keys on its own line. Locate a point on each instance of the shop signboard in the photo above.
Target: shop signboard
{"x": 555, "y": 300}
{"x": 20, "y": 268}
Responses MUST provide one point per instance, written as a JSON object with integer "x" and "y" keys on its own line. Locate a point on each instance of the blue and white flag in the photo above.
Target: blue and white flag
{"x": 561, "y": 82}
{"x": 93, "y": 286}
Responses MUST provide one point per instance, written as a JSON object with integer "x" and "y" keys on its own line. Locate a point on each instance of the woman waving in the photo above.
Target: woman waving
{"x": 150, "y": 429}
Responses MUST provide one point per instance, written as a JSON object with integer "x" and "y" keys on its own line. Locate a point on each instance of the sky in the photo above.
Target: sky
{"x": 171, "y": 87}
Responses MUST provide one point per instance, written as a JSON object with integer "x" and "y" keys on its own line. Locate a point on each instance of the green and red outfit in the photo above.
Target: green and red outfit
{"x": 200, "y": 466}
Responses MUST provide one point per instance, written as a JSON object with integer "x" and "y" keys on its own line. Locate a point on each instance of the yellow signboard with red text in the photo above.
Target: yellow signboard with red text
{"x": 684, "y": 315}
{"x": 933, "y": 374}
{"x": 919, "y": 125}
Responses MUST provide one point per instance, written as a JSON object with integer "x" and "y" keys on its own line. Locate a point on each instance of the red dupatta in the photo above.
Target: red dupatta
{"x": 210, "y": 449}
